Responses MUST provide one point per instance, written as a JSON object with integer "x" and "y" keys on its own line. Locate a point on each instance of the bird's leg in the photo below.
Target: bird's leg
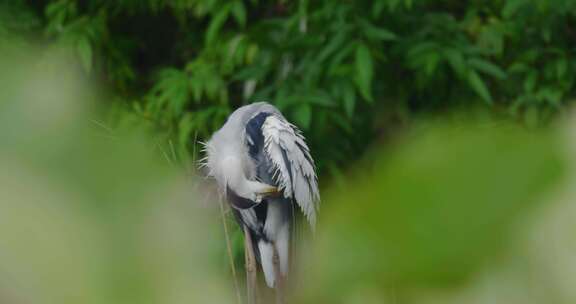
{"x": 251, "y": 274}
{"x": 279, "y": 281}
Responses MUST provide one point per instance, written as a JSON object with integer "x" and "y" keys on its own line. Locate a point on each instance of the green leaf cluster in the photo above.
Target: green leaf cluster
{"x": 344, "y": 70}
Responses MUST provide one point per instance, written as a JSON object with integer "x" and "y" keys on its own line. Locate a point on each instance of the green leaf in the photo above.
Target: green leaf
{"x": 478, "y": 85}
{"x": 320, "y": 98}
{"x": 216, "y": 24}
{"x": 511, "y": 7}
{"x": 303, "y": 116}
{"x": 84, "y": 50}
{"x": 185, "y": 128}
{"x": 333, "y": 45}
{"x": 430, "y": 62}
{"x": 379, "y": 33}
{"x": 364, "y": 71}
{"x": 341, "y": 121}
{"x": 377, "y": 8}
{"x": 530, "y": 81}
{"x": 376, "y": 33}
{"x": 456, "y": 61}
{"x": 487, "y": 68}
{"x": 171, "y": 90}
{"x": 518, "y": 67}
{"x": 423, "y": 48}
{"x": 468, "y": 215}
{"x": 251, "y": 53}
{"x": 239, "y": 12}
{"x": 551, "y": 95}
{"x": 561, "y": 68}
{"x": 349, "y": 101}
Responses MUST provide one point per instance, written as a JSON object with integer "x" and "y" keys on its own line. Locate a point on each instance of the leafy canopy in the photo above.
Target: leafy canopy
{"x": 341, "y": 70}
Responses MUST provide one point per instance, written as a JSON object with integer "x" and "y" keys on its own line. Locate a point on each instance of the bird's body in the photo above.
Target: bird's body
{"x": 263, "y": 166}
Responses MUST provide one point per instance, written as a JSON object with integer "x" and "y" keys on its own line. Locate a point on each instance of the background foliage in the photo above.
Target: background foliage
{"x": 348, "y": 71}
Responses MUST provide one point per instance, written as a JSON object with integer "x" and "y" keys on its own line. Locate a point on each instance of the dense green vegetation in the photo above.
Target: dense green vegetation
{"x": 348, "y": 71}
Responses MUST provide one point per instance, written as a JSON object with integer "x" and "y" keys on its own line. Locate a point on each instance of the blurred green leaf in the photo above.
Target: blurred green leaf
{"x": 85, "y": 53}
{"x": 487, "y": 68}
{"x": 477, "y": 84}
{"x": 303, "y": 115}
{"x": 349, "y": 101}
{"x": 239, "y": 12}
{"x": 511, "y": 7}
{"x": 456, "y": 61}
{"x": 216, "y": 23}
{"x": 434, "y": 211}
{"x": 376, "y": 33}
{"x": 530, "y": 81}
{"x": 364, "y": 71}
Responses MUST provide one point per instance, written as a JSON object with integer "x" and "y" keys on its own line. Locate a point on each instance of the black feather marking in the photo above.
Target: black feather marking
{"x": 256, "y": 233}
{"x": 288, "y": 166}
{"x": 261, "y": 211}
{"x": 237, "y": 201}
{"x": 306, "y": 153}
{"x": 254, "y": 131}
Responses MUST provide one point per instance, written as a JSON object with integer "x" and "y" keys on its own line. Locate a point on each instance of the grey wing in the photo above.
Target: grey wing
{"x": 294, "y": 169}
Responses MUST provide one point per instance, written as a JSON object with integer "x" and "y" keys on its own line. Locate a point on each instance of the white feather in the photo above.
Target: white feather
{"x": 282, "y": 248}
{"x": 267, "y": 261}
{"x": 300, "y": 181}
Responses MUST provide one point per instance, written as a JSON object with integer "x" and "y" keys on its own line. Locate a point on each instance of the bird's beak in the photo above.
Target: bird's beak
{"x": 271, "y": 192}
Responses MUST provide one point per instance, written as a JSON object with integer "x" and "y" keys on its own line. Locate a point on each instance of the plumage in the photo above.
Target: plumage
{"x": 255, "y": 151}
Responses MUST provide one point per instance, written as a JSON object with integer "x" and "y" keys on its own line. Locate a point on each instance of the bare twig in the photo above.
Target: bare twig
{"x": 279, "y": 280}
{"x": 172, "y": 150}
{"x": 194, "y": 147}
{"x": 251, "y": 276}
{"x": 102, "y": 125}
{"x": 164, "y": 152}
{"x": 230, "y": 256}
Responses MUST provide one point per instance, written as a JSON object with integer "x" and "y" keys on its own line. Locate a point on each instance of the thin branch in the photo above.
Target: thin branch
{"x": 230, "y": 256}
{"x": 194, "y": 143}
{"x": 172, "y": 149}
{"x": 163, "y": 152}
{"x": 251, "y": 276}
{"x": 102, "y": 125}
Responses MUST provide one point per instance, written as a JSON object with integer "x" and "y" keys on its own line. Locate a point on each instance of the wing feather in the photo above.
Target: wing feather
{"x": 293, "y": 167}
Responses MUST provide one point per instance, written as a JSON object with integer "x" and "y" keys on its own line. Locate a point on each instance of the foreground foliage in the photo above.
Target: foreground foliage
{"x": 453, "y": 213}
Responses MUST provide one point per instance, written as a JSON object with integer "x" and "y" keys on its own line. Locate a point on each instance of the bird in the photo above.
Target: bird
{"x": 263, "y": 167}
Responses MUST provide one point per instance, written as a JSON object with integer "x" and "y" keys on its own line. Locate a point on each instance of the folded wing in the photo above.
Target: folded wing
{"x": 293, "y": 167}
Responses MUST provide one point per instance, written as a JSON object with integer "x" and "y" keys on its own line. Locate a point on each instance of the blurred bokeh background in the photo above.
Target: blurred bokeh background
{"x": 442, "y": 130}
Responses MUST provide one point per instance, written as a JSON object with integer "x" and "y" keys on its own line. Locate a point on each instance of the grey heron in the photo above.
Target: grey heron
{"x": 262, "y": 165}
